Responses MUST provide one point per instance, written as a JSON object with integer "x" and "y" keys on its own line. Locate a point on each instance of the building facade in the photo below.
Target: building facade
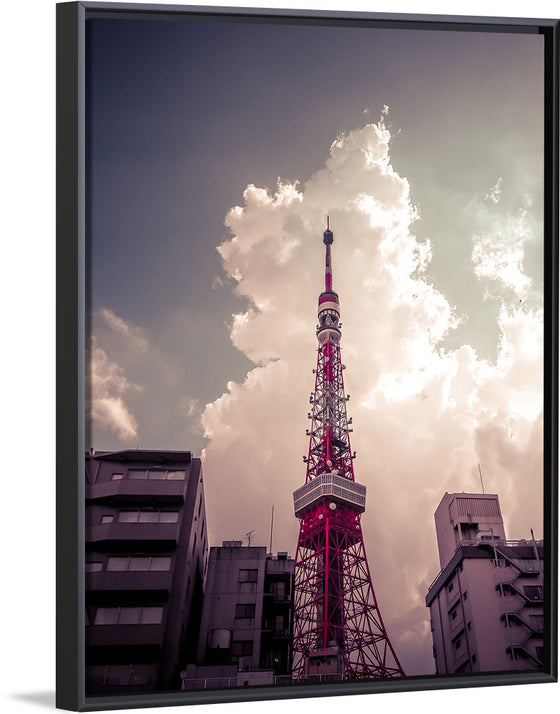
{"x": 246, "y": 625}
{"x": 486, "y": 604}
{"x": 146, "y": 556}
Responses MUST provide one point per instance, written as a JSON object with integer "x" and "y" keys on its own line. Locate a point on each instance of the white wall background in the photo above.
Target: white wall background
{"x": 27, "y": 428}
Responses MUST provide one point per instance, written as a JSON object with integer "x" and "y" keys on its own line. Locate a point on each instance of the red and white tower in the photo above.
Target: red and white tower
{"x": 337, "y": 624}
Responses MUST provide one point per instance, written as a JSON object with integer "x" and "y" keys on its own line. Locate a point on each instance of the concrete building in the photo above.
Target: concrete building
{"x": 246, "y": 626}
{"x": 486, "y": 604}
{"x": 146, "y": 555}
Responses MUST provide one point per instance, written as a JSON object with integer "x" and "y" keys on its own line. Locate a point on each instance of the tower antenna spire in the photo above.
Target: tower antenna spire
{"x": 328, "y": 239}
{"x": 336, "y": 617}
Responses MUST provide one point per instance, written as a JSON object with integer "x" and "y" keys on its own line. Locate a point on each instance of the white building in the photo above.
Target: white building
{"x": 486, "y": 604}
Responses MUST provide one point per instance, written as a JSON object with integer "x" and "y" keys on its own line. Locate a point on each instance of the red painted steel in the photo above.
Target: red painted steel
{"x": 336, "y": 616}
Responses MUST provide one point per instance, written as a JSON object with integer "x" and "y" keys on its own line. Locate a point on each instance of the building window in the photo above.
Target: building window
{"x": 468, "y": 626}
{"x": 279, "y": 625}
{"x": 155, "y": 475}
{"x": 465, "y": 595}
{"x": 117, "y": 477}
{"x": 128, "y": 517}
{"x": 450, "y": 587}
{"x": 168, "y": 517}
{"x": 150, "y": 615}
{"x": 457, "y": 643}
{"x": 94, "y": 567}
{"x": 175, "y": 476}
{"x": 473, "y": 659}
{"x": 245, "y": 610}
{"x": 537, "y": 622}
{"x": 107, "y": 518}
{"x": 278, "y": 589}
{"x": 139, "y": 562}
{"x": 148, "y": 517}
{"x": 453, "y": 614}
{"x": 242, "y": 648}
{"x": 533, "y": 592}
{"x": 106, "y": 616}
{"x": 248, "y": 576}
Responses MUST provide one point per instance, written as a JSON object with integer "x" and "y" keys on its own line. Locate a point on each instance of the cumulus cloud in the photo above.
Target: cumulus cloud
{"x": 423, "y": 416}
{"x": 117, "y": 324}
{"x": 500, "y": 243}
{"x": 107, "y": 386}
{"x": 499, "y": 255}
{"x": 495, "y": 193}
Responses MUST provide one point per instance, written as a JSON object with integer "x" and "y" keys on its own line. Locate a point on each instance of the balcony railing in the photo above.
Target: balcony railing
{"x": 135, "y": 490}
{"x": 115, "y": 531}
{"x": 129, "y": 580}
{"x": 132, "y": 635}
{"x": 526, "y": 567}
{"x": 279, "y": 680}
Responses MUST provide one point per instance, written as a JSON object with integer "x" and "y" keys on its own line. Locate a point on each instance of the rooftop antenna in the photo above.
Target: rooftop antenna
{"x": 481, "y": 481}
{"x": 535, "y": 546}
{"x": 248, "y": 537}
{"x": 271, "y": 524}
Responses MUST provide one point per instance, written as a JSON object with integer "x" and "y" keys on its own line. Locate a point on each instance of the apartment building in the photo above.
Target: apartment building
{"x": 246, "y": 625}
{"x": 486, "y": 604}
{"x": 146, "y": 556}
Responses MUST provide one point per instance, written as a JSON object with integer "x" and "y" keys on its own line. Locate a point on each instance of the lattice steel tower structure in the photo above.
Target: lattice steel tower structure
{"x": 338, "y": 628}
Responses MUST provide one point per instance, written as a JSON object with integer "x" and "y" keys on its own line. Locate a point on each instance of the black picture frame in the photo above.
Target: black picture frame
{"x": 71, "y": 358}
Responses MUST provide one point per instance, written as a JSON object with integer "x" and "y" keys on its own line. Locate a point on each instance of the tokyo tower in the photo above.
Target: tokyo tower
{"x": 338, "y": 629}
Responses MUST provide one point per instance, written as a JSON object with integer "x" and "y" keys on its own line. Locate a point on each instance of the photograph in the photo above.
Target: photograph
{"x": 305, "y": 237}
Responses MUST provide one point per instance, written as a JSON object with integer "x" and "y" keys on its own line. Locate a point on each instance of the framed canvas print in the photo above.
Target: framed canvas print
{"x": 307, "y": 353}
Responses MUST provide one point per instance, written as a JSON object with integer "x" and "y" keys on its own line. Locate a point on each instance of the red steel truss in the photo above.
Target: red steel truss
{"x": 337, "y": 624}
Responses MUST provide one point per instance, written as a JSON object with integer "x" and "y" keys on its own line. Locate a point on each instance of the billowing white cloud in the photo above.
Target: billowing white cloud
{"x": 499, "y": 249}
{"x": 495, "y": 193}
{"x": 117, "y": 324}
{"x": 107, "y": 386}
{"x": 423, "y": 417}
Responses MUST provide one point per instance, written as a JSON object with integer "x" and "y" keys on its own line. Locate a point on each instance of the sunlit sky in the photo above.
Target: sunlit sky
{"x": 216, "y": 152}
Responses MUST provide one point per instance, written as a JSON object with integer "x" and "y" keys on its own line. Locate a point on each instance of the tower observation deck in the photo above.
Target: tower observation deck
{"x": 338, "y": 628}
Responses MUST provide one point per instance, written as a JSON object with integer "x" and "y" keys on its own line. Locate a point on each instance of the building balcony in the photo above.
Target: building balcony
{"x": 161, "y": 533}
{"x": 281, "y": 634}
{"x": 277, "y": 598}
{"x": 124, "y": 635}
{"x": 527, "y": 652}
{"x": 532, "y": 595}
{"x": 137, "y": 491}
{"x": 108, "y": 581}
{"x": 533, "y": 623}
